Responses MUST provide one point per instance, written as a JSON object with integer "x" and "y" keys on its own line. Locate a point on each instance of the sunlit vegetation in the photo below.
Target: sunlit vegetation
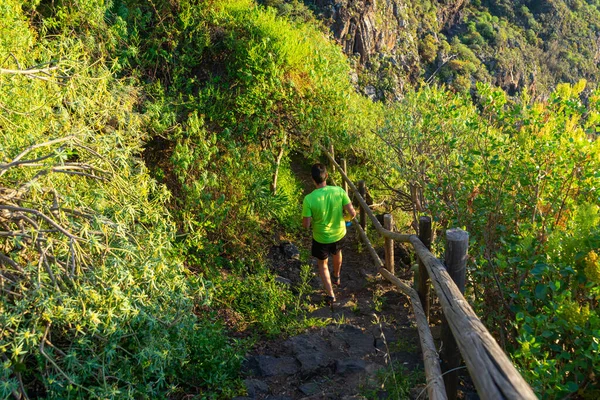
{"x": 145, "y": 163}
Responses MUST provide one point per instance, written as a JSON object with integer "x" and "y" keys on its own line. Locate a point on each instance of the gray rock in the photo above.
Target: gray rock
{"x": 311, "y": 362}
{"x": 271, "y": 366}
{"x": 371, "y": 92}
{"x": 309, "y": 388}
{"x": 307, "y": 343}
{"x": 350, "y": 365}
{"x": 290, "y": 250}
{"x": 279, "y": 398}
{"x": 354, "y": 340}
{"x": 283, "y": 280}
{"x": 255, "y": 386}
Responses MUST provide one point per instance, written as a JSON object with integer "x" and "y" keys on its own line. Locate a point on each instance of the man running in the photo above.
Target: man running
{"x": 327, "y": 207}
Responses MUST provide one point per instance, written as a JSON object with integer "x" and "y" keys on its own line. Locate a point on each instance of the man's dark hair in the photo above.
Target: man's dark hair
{"x": 319, "y": 173}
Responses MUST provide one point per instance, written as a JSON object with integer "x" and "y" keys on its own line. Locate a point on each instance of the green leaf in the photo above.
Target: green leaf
{"x": 540, "y": 291}
{"x": 572, "y": 387}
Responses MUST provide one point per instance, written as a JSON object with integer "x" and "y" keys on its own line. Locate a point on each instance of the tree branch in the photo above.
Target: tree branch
{"x": 4, "y": 167}
{"x": 27, "y": 71}
{"x": 41, "y": 215}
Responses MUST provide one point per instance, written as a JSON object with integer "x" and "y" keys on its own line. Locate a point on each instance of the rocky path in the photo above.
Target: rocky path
{"x": 369, "y": 327}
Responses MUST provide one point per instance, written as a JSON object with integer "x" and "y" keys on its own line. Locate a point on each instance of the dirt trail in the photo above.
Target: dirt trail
{"x": 370, "y": 326}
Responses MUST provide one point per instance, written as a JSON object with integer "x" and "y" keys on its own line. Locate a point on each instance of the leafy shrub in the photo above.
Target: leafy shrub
{"x": 522, "y": 178}
{"x": 96, "y": 302}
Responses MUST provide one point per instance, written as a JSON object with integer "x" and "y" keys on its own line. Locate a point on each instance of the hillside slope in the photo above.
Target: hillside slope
{"x": 146, "y": 158}
{"x": 515, "y": 45}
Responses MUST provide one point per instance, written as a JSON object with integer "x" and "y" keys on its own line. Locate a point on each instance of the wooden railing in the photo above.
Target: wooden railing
{"x": 492, "y": 372}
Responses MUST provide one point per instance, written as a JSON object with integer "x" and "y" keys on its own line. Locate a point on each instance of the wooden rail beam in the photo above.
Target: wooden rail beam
{"x": 493, "y": 373}
{"x": 433, "y": 371}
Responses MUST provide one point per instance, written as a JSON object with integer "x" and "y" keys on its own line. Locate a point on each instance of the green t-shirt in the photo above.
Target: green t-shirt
{"x": 326, "y": 207}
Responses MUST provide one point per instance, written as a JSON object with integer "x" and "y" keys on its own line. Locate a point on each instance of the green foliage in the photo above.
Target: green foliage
{"x": 96, "y": 302}
{"x": 522, "y": 178}
{"x": 156, "y": 148}
{"x": 396, "y": 381}
{"x": 259, "y": 302}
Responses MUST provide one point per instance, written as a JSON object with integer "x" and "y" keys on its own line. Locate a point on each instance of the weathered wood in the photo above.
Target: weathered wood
{"x": 345, "y": 171}
{"x": 333, "y": 163}
{"x": 493, "y": 374}
{"x": 362, "y": 190}
{"x": 388, "y": 223}
{"x": 424, "y": 283}
{"x": 433, "y": 372}
{"x": 457, "y": 245}
{"x": 435, "y": 382}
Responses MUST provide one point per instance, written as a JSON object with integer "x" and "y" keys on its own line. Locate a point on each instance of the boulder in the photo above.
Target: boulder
{"x": 255, "y": 387}
{"x": 271, "y": 366}
{"x": 290, "y": 250}
{"x": 350, "y": 366}
{"x": 309, "y": 388}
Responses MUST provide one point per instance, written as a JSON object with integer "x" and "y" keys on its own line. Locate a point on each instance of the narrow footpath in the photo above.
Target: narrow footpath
{"x": 370, "y": 336}
{"x": 370, "y": 327}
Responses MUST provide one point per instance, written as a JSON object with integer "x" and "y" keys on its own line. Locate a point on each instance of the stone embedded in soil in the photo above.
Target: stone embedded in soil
{"x": 306, "y": 343}
{"x": 309, "y": 388}
{"x": 283, "y": 280}
{"x": 350, "y": 366}
{"x": 271, "y": 366}
{"x": 255, "y": 386}
{"x": 354, "y": 341}
{"x": 290, "y": 250}
{"x": 312, "y": 362}
{"x": 408, "y": 359}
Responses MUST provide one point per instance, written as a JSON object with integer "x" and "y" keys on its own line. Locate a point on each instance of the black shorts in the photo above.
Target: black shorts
{"x": 322, "y": 250}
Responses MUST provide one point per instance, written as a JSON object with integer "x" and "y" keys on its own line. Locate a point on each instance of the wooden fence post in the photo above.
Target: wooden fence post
{"x": 423, "y": 285}
{"x": 457, "y": 246}
{"x": 388, "y": 223}
{"x": 331, "y": 151}
{"x": 345, "y": 170}
{"x": 362, "y": 190}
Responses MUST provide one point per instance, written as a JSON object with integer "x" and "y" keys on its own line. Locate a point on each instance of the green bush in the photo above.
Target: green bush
{"x": 521, "y": 177}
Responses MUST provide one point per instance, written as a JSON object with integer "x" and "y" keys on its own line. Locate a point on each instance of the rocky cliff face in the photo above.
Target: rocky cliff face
{"x": 377, "y": 32}
{"x": 366, "y": 27}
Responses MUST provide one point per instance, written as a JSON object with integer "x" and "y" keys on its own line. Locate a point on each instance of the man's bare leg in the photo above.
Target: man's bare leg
{"x": 337, "y": 263}
{"x": 325, "y": 278}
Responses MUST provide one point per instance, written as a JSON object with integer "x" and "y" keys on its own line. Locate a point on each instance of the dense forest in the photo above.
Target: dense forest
{"x": 146, "y": 155}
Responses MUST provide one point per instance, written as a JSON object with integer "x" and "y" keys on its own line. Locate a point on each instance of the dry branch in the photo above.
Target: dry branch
{"x": 41, "y": 215}
{"x": 27, "y": 71}
{"x": 4, "y": 259}
{"x": 5, "y": 167}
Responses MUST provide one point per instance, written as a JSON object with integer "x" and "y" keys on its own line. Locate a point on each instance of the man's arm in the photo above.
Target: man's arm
{"x": 306, "y": 222}
{"x": 349, "y": 212}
